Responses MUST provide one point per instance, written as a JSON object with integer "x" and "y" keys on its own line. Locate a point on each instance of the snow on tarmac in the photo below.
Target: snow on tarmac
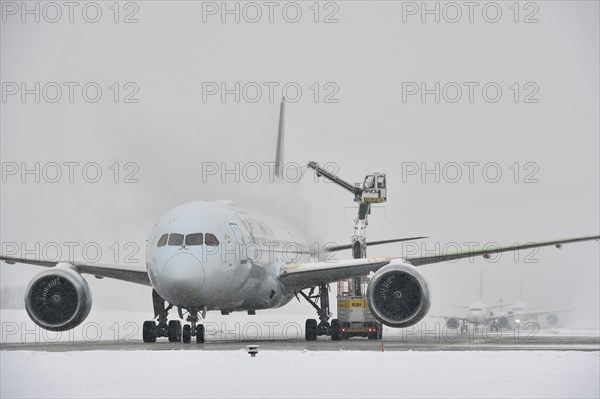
{"x": 179, "y": 373}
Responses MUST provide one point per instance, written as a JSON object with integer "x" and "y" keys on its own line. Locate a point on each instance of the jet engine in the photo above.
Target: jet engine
{"x": 552, "y": 319}
{"x": 58, "y": 299}
{"x": 452, "y": 323}
{"x": 398, "y": 295}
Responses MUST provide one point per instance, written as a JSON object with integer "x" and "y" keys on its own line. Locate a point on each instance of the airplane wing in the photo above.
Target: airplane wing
{"x": 298, "y": 276}
{"x": 459, "y": 319}
{"x": 459, "y": 306}
{"x": 485, "y": 252}
{"x": 130, "y": 274}
{"x": 546, "y": 312}
{"x": 371, "y": 243}
{"x": 504, "y": 305}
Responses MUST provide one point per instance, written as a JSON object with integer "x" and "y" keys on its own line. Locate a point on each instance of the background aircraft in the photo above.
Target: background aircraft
{"x": 502, "y": 313}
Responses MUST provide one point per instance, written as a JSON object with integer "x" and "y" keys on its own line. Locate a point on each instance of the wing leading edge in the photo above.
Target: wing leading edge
{"x": 298, "y": 276}
{"x": 132, "y": 275}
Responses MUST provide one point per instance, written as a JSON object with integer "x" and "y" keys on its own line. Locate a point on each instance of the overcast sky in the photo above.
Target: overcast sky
{"x": 520, "y": 98}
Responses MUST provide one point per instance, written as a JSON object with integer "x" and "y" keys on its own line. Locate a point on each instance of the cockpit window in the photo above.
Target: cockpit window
{"x": 475, "y": 309}
{"x": 211, "y": 240}
{"x": 194, "y": 239}
{"x": 176, "y": 239}
{"x": 162, "y": 241}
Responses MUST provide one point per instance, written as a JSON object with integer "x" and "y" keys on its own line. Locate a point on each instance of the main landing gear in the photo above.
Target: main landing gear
{"x": 320, "y": 302}
{"x": 172, "y": 329}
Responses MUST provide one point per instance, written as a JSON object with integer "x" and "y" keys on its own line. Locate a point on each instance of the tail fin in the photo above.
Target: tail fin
{"x": 280, "y": 141}
{"x": 481, "y": 285}
{"x": 521, "y": 296}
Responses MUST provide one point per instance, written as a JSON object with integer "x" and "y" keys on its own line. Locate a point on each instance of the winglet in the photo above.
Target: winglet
{"x": 280, "y": 141}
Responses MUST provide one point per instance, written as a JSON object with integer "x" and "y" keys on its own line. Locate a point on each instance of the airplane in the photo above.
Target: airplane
{"x": 477, "y": 313}
{"x": 519, "y": 311}
{"x": 213, "y": 256}
{"x": 502, "y": 315}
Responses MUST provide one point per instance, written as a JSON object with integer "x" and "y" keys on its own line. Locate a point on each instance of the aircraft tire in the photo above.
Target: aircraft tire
{"x": 174, "y": 331}
{"x": 149, "y": 331}
{"x": 187, "y": 334}
{"x": 311, "y": 330}
{"x": 200, "y": 334}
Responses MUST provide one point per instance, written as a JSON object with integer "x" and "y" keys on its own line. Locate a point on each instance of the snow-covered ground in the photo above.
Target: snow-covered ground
{"x": 180, "y": 373}
{"x": 277, "y": 373}
{"x": 568, "y": 331}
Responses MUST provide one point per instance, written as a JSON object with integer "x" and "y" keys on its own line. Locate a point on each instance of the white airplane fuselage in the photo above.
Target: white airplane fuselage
{"x": 518, "y": 308}
{"x": 478, "y": 313}
{"x": 233, "y": 265}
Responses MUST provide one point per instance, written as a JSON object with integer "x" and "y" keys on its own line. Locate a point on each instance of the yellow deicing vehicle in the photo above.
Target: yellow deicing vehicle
{"x": 354, "y": 319}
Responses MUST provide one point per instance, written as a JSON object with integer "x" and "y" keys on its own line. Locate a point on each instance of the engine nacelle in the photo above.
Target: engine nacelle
{"x": 398, "y": 295}
{"x": 58, "y": 299}
{"x": 452, "y": 323}
{"x": 552, "y": 319}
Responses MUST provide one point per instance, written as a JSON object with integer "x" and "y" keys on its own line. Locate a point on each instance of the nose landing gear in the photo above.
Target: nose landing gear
{"x": 193, "y": 329}
{"x": 172, "y": 329}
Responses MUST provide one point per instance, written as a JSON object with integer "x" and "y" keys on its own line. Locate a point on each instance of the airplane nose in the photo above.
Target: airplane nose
{"x": 183, "y": 278}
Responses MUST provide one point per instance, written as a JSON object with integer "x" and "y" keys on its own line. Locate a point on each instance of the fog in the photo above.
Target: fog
{"x": 361, "y": 119}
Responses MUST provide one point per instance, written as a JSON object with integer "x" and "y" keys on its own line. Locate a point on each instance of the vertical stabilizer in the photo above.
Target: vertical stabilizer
{"x": 481, "y": 285}
{"x": 521, "y": 295}
{"x": 279, "y": 163}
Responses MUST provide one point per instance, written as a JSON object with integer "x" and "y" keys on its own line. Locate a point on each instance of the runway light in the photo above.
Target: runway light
{"x": 252, "y": 349}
